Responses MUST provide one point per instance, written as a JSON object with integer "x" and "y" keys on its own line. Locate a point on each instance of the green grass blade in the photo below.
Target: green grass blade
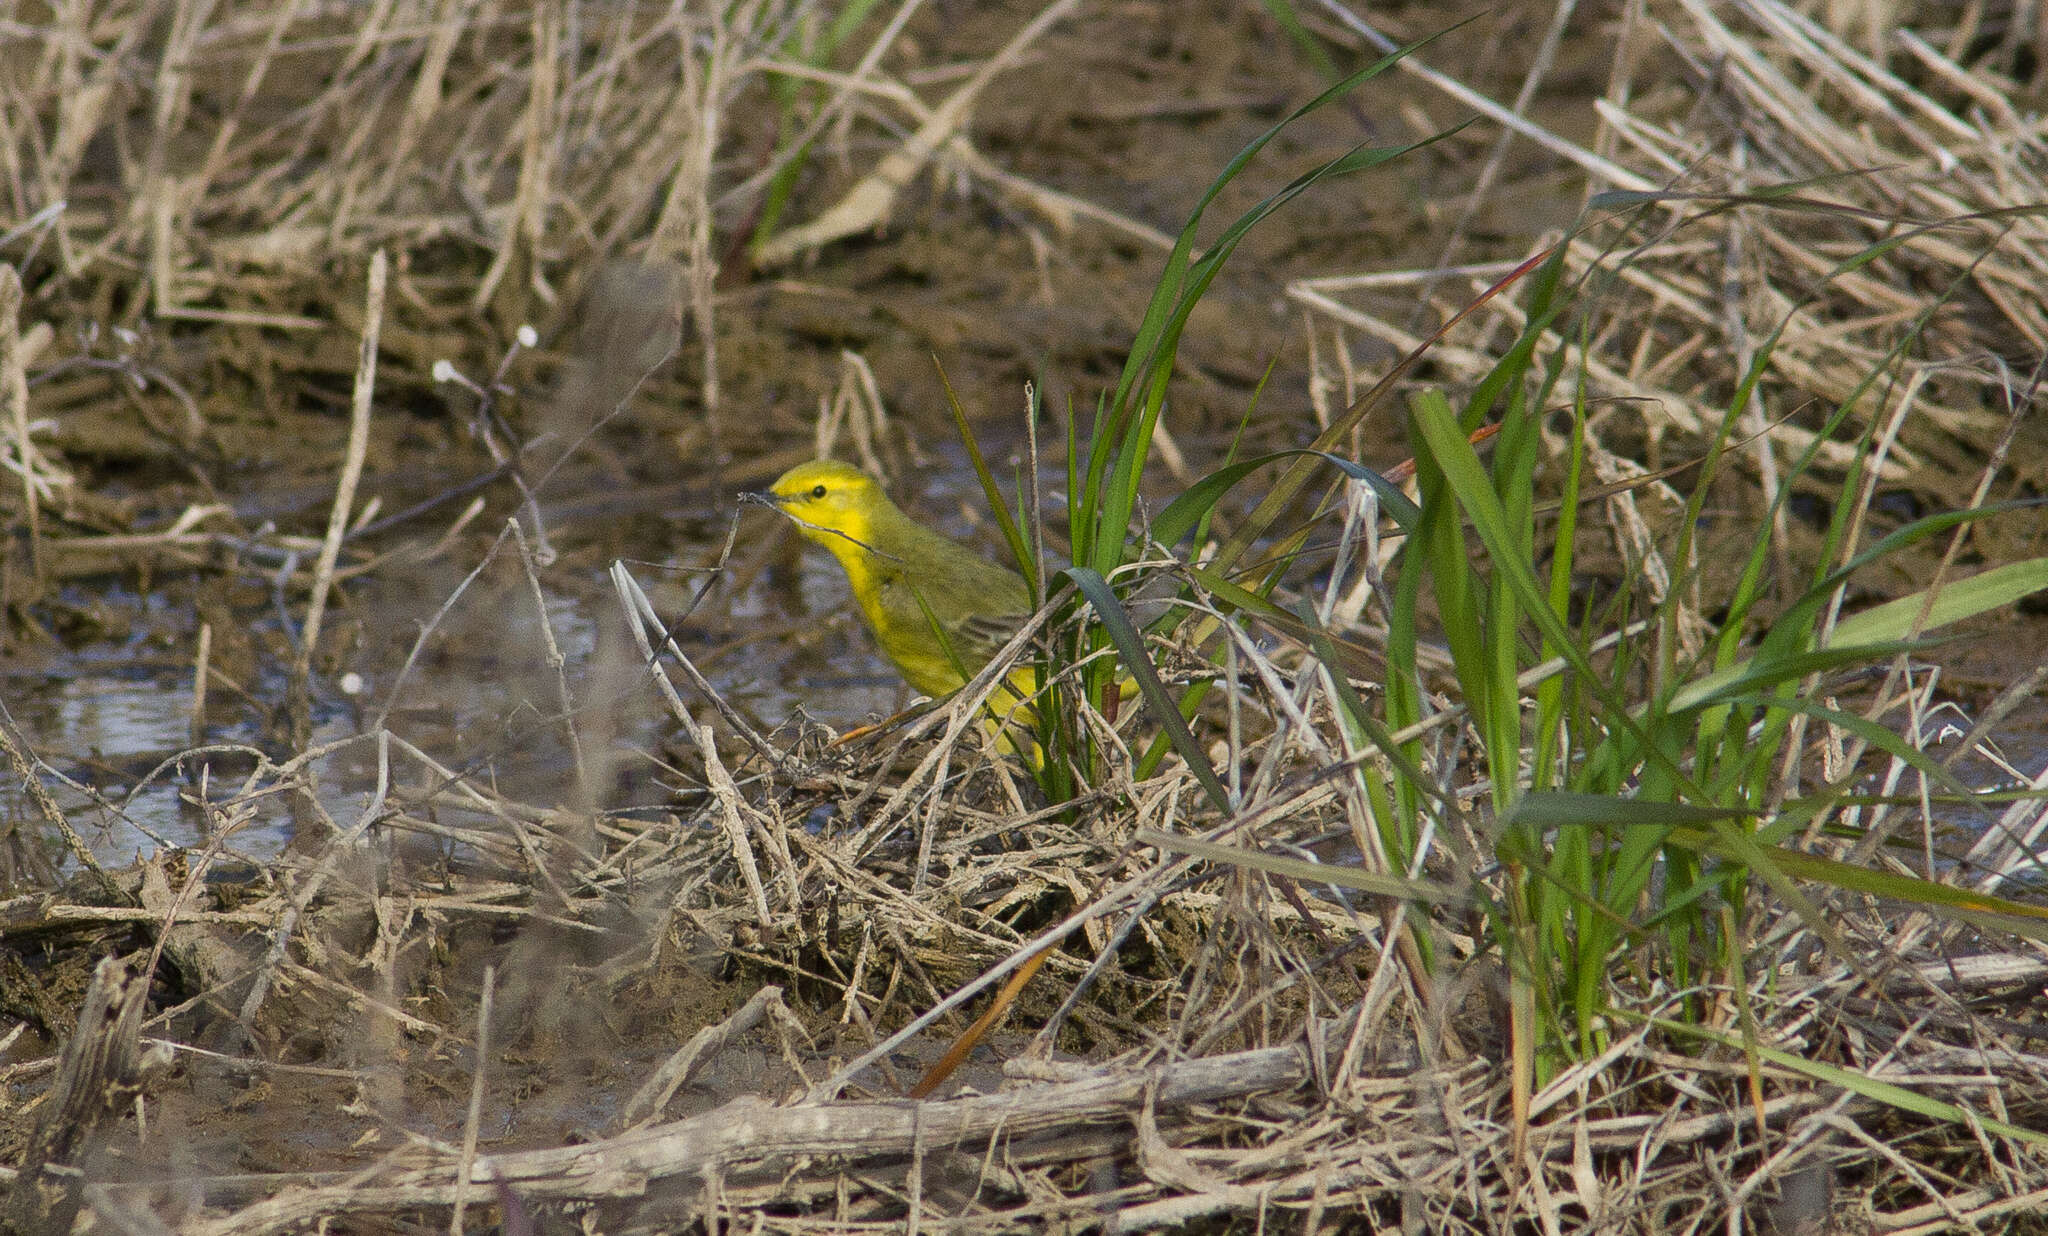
{"x": 1858, "y": 1083}
{"x": 1013, "y": 535}
{"x": 1879, "y": 630}
{"x": 1188, "y": 509}
{"x": 1377, "y": 883}
{"x": 1448, "y": 450}
{"x": 1954, "y": 601}
{"x": 1131, "y": 646}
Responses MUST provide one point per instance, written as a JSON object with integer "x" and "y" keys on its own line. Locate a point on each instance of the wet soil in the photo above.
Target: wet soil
{"x": 1133, "y": 106}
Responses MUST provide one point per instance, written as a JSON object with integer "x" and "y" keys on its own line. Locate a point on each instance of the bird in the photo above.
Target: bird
{"x": 937, "y": 609}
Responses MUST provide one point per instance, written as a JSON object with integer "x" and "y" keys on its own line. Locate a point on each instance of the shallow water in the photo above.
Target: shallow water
{"x": 773, "y": 637}
{"x": 772, "y": 632}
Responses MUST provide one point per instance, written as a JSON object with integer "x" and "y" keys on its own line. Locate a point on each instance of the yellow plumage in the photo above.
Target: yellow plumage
{"x": 935, "y": 607}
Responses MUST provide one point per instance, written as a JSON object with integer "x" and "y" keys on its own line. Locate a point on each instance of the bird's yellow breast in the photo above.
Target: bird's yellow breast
{"x": 920, "y": 594}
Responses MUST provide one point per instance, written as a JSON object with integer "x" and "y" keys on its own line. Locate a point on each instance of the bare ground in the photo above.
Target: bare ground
{"x": 383, "y": 963}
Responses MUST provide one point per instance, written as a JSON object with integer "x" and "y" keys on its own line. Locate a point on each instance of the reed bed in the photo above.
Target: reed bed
{"x": 1411, "y": 884}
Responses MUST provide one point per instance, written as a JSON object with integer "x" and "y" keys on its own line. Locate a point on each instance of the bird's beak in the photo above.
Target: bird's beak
{"x": 761, "y": 497}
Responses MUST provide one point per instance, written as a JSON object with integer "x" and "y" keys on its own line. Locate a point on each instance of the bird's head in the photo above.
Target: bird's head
{"x": 830, "y": 501}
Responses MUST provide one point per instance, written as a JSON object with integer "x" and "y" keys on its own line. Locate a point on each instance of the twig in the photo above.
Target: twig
{"x": 344, "y": 500}
{"x": 25, "y": 771}
{"x": 14, "y": 411}
{"x": 476, "y": 1101}
{"x": 200, "y": 659}
{"x": 640, "y": 612}
{"x": 869, "y": 202}
{"x": 652, "y": 1096}
{"x": 556, "y": 663}
{"x": 748, "y": 1131}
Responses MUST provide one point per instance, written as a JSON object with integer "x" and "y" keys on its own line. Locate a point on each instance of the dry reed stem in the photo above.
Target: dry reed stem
{"x": 750, "y": 1131}
{"x": 1914, "y": 157}
{"x": 14, "y": 413}
{"x": 643, "y": 618}
{"x": 525, "y": 222}
{"x": 467, "y": 1159}
{"x": 684, "y": 230}
{"x": 557, "y": 664}
{"x": 661, "y": 1086}
{"x": 728, "y": 797}
{"x": 339, "y": 514}
{"x": 104, "y": 1068}
{"x": 27, "y": 772}
{"x": 870, "y": 201}
{"x": 1173, "y": 958}
{"x": 284, "y": 183}
{"x": 1328, "y": 1158}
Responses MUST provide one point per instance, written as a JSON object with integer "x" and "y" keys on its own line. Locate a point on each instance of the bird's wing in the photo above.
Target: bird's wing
{"x": 977, "y": 622}
{"x": 981, "y": 636}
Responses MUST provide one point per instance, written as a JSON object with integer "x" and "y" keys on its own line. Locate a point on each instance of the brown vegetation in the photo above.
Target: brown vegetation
{"x": 342, "y": 351}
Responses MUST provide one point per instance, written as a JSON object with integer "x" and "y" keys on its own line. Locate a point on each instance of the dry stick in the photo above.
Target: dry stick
{"x": 747, "y": 1131}
{"x": 338, "y": 844}
{"x": 82, "y": 103}
{"x": 262, "y": 767}
{"x": 648, "y": 1101}
{"x": 425, "y": 98}
{"x": 970, "y": 1038}
{"x": 641, "y": 612}
{"x": 2009, "y": 844}
{"x": 224, "y": 137}
{"x": 854, "y": 81}
{"x": 1136, "y": 887}
{"x": 1990, "y": 717}
{"x": 1756, "y": 421}
{"x": 526, "y": 222}
{"x": 419, "y": 644}
{"x": 1607, "y": 170}
{"x": 1859, "y": 512}
{"x": 377, "y": 1000}
{"x": 14, "y": 410}
{"x": 912, "y": 910}
{"x": 506, "y": 454}
{"x": 37, "y": 222}
{"x": 1033, "y": 516}
{"x": 1682, "y": 412}
{"x": 498, "y": 809}
{"x": 25, "y": 772}
{"x": 171, "y": 91}
{"x": 869, "y": 202}
{"x": 1824, "y": 51}
{"x": 858, "y": 402}
{"x": 557, "y": 663}
{"x": 104, "y": 1068}
{"x": 639, "y": 608}
{"x": 344, "y": 500}
{"x": 1994, "y": 466}
{"x": 968, "y": 706}
{"x": 194, "y": 883}
{"x": 199, "y": 662}
{"x": 1061, "y": 209}
{"x": 728, "y": 795}
{"x": 476, "y": 1103}
{"x": 685, "y": 222}
{"x": 1490, "y": 169}
{"x": 775, "y": 834}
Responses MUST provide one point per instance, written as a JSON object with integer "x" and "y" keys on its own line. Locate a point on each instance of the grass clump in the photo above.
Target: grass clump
{"x": 1624, "y": 785}
{"x": 1558, "y": 836}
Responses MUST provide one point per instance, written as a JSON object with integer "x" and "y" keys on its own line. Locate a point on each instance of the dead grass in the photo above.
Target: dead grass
{"x": 1775, "y": 157}
{"x": 484, "y": 992}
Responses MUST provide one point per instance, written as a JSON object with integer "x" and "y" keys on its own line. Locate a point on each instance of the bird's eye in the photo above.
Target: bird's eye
{"x": 817, "y": 491}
